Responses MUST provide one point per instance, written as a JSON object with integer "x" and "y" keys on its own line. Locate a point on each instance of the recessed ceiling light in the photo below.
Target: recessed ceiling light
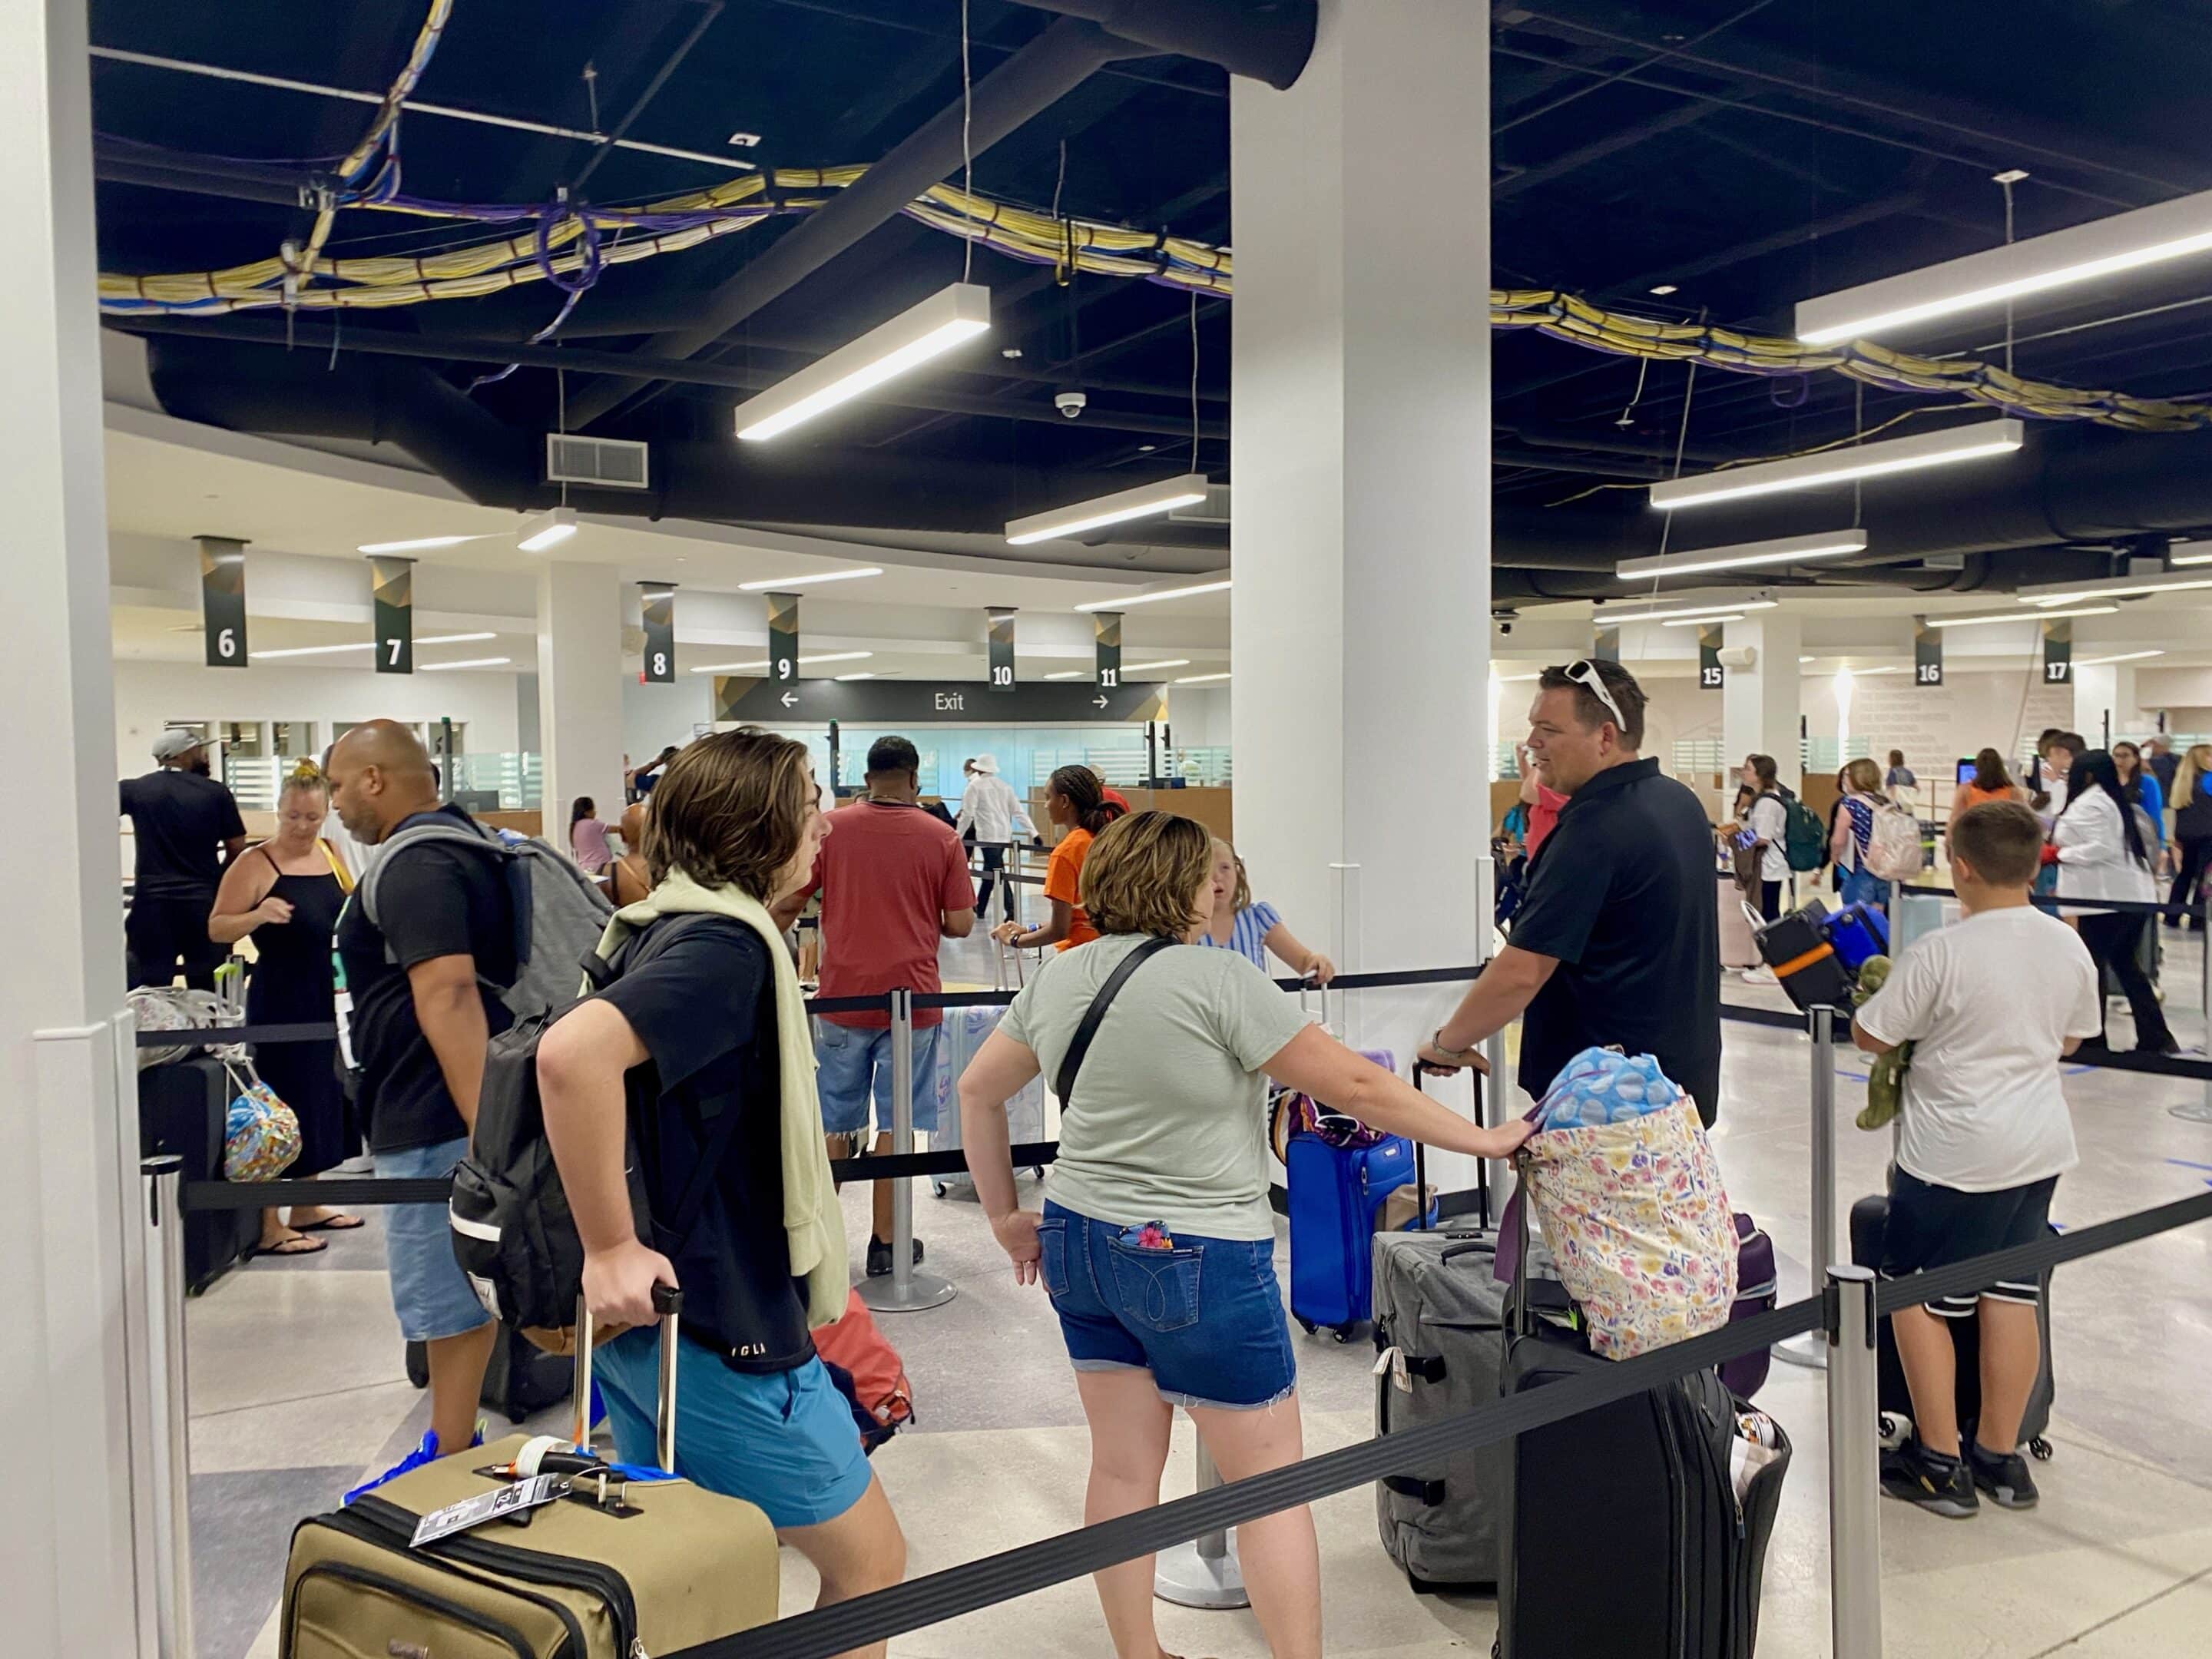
{"x": 1663, "y": 289}
{"x": 780, "y": 583}
{"x": 1146, "y": 449}
{"x": 1010, "y": 352}
{"x": 762, "y": 667}
{"x": 2010, "y": 176}
{"x": 1149, "y": 599}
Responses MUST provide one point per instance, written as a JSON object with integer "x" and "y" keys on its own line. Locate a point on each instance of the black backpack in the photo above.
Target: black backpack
{"x": 512, "y": 1232}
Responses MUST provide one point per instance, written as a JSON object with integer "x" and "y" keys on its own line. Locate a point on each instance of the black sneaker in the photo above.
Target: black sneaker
{"x": 2004, "y": 1475}
{"x": 1942, "y": 1485}
{"x": 880, "y": 1257}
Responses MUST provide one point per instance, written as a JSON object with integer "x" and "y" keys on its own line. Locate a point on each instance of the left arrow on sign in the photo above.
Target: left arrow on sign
{"x": 789, "y": 699}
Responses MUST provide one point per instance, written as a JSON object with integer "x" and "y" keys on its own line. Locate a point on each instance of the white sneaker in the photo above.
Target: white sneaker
{"x": 1759, "y": 976}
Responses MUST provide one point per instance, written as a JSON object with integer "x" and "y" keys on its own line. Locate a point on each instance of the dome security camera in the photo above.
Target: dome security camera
{"x": 1070, "y": 404}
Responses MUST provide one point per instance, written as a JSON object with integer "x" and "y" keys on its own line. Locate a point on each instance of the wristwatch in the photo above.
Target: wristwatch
{"x": 1457, "y": 1056}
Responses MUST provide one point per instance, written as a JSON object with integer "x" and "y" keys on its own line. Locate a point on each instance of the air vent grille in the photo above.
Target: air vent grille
{"x": 610, "y": 462}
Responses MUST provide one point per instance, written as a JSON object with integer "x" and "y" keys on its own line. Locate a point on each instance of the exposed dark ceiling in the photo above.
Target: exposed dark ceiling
{"x": 1747, "y": 154}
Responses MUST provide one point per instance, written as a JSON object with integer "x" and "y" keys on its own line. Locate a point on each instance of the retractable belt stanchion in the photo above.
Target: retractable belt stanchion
{"x": 1204, "y": 1573}
{"x": 1854, "y": 1484}
{"x": 905, "y": 1290}
{"x": 2200, "y": 1111}
{"x": 1808, "y": 1350}
{"x": 173, "y": 1537}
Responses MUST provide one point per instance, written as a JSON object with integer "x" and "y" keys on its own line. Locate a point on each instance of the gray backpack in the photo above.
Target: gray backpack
{"x": 559, "y": 914}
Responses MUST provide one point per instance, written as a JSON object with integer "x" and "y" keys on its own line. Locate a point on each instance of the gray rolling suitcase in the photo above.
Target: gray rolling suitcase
{"x": 1440, "y": 1323}
{"x": 960, "y": 1036}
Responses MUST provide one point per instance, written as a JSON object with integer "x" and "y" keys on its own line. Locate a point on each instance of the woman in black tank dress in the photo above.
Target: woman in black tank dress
{"x": 287, "y": 893}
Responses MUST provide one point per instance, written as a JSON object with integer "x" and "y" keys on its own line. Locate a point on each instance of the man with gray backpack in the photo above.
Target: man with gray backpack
{"x": 449, "y": 936}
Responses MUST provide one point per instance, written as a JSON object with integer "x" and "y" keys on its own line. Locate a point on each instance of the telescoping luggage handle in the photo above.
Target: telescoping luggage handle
{"x": 668, "y": 1302}
{"x": 1421, "y": 1161}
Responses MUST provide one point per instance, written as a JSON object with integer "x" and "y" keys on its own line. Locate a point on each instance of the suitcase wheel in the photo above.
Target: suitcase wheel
{"x": 1306, "y": 1325}
{"x": 2041, "y": 1449}
{"x": 937, "y": 1188}
{"x": 1345, "y": 1332}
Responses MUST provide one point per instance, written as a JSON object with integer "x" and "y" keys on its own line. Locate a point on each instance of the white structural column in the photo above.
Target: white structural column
{"x": 579, "y": 689}
{"x": 2106, "y": 706}
{"x": 71, "y": 1224}
{"x": 1361, "y": 456}
{"x": 1759, "y": 705}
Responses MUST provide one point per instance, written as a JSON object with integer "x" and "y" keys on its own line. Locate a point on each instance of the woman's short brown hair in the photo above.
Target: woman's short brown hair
{"x": 731, "y": 810}
{"x": 1863, "y": 775}
{"x": 1141, "y": 874}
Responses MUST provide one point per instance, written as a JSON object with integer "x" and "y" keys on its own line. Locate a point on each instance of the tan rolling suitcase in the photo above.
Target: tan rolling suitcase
{"x": 672, "y": 1567}
{"x": 1739, "y": 949}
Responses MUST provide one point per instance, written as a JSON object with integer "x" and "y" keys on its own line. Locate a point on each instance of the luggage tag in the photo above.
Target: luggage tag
{"x": 506, "y": 1501}
{"x": 1392, "y": 1362}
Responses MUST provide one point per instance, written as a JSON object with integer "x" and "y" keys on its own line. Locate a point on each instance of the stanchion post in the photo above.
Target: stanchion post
{"x": 1810, "y": 1351}
{"x": 173, "y": 1540}
{"x": 905, "y": 1290}
{"x": 1854, "y": 1484}
{"x": 579, "y": 1387}
{"x": 1203, "y": 1573}
{"x": 2200, "y": 1111}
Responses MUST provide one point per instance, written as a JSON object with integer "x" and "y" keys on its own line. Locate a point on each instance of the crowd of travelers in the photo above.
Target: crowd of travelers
{"x": 1163, "y": 1155}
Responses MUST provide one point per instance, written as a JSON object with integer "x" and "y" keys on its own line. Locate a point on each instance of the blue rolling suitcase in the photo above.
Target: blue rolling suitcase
{"x": 1336, "y": 1196}
{"x": 1857, "y": 931}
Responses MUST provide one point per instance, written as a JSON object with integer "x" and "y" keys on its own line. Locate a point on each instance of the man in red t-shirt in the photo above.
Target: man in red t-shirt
{"x": 894, "y": 880}
{"x": 1542, "y": 801}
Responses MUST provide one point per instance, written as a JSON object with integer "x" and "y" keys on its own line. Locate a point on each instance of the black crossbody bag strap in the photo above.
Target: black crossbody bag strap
{"x": 1072, "y": 1062}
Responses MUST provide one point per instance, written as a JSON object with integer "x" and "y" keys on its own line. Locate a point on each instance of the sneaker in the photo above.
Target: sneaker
{"x": 427, "y": 1452}
{"x": 880, "y": 1257}
{"x": 1759, "y": 976}
{"x": 2004, "y": 1475}
{"x": 1942, "y": 1485}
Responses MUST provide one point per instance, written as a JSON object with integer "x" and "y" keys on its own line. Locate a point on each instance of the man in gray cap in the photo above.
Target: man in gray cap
{"x": 180, "y": 816}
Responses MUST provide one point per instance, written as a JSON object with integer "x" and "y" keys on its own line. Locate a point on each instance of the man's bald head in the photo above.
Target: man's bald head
{"x": 380, "y": 774}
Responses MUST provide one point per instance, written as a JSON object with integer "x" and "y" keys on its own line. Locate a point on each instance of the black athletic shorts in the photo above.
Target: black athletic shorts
{"x": 1931, "y": 1226}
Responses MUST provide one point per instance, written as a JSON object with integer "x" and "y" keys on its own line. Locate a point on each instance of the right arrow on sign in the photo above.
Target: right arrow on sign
{"x": 1098, "y": 702}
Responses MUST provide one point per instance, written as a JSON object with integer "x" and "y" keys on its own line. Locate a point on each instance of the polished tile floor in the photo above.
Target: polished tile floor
{"x": 298, "y": 1387}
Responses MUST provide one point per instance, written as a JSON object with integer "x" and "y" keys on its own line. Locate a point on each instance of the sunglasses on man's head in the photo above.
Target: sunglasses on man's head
{"x": 1583, "y": 672}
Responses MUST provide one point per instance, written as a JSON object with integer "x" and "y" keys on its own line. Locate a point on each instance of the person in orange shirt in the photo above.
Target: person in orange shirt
{"x": 1075, "y": 799}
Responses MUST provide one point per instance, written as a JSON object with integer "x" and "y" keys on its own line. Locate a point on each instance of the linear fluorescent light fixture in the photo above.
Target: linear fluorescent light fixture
{"x": 782, "y": 584}
{"x": 1147, "y": 667}
{"x": 762, "y": 667}
{"x": 2124, "y": 656}
{"x": 1874, "y": 460}
{"x": 1782, "y": 550}
{"x": 1200, "y": 679}
{"x": 548, "y": 528}
{"x": 1704, "y": 612}
{"x": 1699, "y": 622}
{"x": 467, "y": 662}
{"x": 420, "y": 543}
{"x": 365, "y": 645}
{"x": 2119, "y": 241}
{"x": 1151, "y": 598}
{"x": 1070, "y": 674}
{"x": 866, "y": 674}
{"x": 1860, "y": 673}
{"x": 2051, "y": 593}
{"x": 2182, "y": 553}
{"x": 1144, "y": 501}
{"x": 944, "y": 320}
{"x": 2020, "y": 615}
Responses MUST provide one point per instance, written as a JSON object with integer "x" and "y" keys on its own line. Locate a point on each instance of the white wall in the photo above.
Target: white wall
{"x": 150, "y": 696}
{"x": 1936, "y": 726}
{"x": 1200, "y": 715}
{"x": 654, "y": 716}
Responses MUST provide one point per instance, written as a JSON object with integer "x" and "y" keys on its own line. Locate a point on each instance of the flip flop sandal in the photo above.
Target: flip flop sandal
{"x": 336, "y": 1223}
{"x": 300, "y": 1246}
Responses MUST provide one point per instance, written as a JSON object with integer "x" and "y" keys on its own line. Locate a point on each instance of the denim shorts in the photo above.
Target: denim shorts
{"x": 853, "y": 1057}
{"x": 783, "y": 1440}
{"x": 429, "y": 1292}
{"x": 1204, "y": 1318}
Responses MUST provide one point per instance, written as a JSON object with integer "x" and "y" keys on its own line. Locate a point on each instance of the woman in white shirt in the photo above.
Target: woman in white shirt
{"x": 2102, "y": 854}
{"x": 989, "y": 806}
{"x": 1768, "y": 822}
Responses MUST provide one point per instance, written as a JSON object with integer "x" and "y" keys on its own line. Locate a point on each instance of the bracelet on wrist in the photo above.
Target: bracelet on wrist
{"x": 1457, "y": 1056}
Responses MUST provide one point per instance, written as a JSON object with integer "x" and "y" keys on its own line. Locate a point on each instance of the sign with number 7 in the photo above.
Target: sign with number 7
{"x": 392, "y": 588}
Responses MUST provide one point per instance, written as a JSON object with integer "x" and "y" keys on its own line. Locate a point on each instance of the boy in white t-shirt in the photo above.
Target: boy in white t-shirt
{"x": 1991, "y": 1005}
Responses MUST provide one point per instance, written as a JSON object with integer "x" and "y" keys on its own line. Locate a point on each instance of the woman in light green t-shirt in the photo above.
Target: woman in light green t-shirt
{"x": 1157, "y": 1243}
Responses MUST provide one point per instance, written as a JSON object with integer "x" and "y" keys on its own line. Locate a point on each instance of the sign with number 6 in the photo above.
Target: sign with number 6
{"x": 222, "y": 599}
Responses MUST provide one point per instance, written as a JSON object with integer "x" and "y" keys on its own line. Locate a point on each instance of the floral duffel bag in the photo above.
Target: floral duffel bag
{"x": 1632, "y": 1208}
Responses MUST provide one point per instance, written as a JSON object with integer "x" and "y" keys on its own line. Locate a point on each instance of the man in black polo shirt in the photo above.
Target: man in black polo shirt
{"x": 422, "y": 1020}
{"x": 179, "y": 816}
{"x": 1617, "y": 940}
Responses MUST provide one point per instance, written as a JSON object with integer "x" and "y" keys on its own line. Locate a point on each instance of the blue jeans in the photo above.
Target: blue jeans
{"x": 429, "y": 1292}
{"x": 1862, "y": 886}
{"x": 1204, "y": 1318}
{"x": 855, "y": 1060}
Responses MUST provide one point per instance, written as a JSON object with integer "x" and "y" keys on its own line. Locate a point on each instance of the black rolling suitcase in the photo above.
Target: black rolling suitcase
{"x": 1869, "y": 1218}
{"x": 520, "y": 1380}
{"x": 1622, "y": 1534}
{"x": 183, "y": 1106}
